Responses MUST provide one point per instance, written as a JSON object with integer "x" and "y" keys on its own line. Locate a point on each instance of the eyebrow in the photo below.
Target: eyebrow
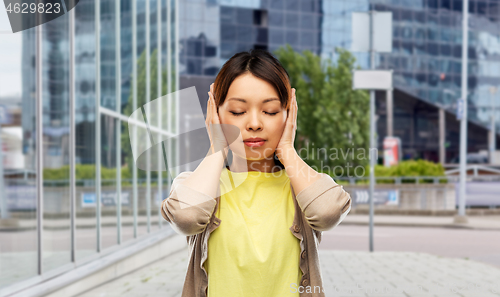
{"x": 244, "y": 101}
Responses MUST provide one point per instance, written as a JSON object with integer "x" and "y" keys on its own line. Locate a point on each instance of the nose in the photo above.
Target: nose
{"x": 254, "y": 122}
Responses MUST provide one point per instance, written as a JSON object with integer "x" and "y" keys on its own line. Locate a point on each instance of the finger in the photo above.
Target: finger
{"x": 208, "y": 106}
{"x": 211, "y": 93}
{"x": 211, "y": 101}
{"x": 209, "y": 114}
{"x": 296, "y": 108}
{"x": 288, "y": 111}
{"x": 290, "y": 116}
{"x": 214, "y": 108}
{"x": 295, "y": 121}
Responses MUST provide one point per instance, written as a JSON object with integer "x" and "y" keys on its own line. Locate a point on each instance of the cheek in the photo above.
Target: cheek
{"x": 229, "y": 120}
{"x": 281, "y": 123}
{"x": 277, "y": 128}
{"x": 225, "y": 118}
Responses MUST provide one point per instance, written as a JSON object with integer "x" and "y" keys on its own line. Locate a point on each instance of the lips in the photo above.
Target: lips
{"x": 255, "y": 139}
{"x": 254, "y": 142}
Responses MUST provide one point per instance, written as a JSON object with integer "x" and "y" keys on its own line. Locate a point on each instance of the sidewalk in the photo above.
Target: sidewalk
{"x": 475, "y": 222}
{"x": 345, "y": 273}
{"x": 163, "y": 278}
{"x": 484, "y": 222}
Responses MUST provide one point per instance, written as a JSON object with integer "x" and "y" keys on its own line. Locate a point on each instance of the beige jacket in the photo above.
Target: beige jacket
{"x": 319, "y": 207}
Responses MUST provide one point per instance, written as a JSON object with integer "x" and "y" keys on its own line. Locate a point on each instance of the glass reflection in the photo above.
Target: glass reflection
{"x": 127, "y": 167}
{"x": 56, "y": 193}
{"x": 18, "y": 192}
{"x": 108, "y": 62}
{"x": 18, "y": 224}
{"x": 109, "y": 231}
{"x": 86, "y": 227}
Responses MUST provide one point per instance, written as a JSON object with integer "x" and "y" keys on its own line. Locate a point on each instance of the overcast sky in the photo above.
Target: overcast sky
{"x": 10, "y": 58}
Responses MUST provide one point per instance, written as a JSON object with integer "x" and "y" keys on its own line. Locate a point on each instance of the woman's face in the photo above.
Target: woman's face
{"x": 253, "y": 105}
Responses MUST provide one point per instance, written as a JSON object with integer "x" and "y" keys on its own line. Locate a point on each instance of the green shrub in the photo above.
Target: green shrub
{"x": 84, "y": 172}
{"x": 408, "y": 168}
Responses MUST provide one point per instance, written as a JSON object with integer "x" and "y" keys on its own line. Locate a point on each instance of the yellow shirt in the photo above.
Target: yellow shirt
{"x": 242, "y": 260}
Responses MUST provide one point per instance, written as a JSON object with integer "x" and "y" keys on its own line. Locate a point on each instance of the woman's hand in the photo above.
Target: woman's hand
{"x": 218, "y": 140}
{"x": 288, "y": 136}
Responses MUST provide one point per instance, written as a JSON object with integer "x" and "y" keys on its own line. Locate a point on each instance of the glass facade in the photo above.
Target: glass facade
{"x": 427, "y": 52}
{"x": 66, "y": 93}
{"x": 426, "y": 56}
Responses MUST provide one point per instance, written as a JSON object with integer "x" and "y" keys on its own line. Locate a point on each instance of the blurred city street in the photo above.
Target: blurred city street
{"x": 104, "y": 103}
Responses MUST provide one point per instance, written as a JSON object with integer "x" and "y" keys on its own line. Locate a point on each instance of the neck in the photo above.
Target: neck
{"x": 239, "y": 164}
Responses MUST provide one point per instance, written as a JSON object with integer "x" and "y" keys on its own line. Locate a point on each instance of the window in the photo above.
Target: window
{"x": 276, "y": 18}
{"x": 227, "y": 33}
{"x": 244, "y": 16}
{"x": 261, "y": 35}
{"x": 292, "y": 37}
{"x": 227, "y": 15}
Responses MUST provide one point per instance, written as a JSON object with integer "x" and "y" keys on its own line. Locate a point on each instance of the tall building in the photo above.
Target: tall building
{"x": 426, "y": 56}
{"x": 82, "y": 141}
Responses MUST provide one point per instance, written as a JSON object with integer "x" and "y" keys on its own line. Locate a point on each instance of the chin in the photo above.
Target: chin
{"x": 257, "y": 156}
{"x": 253, "y": 156}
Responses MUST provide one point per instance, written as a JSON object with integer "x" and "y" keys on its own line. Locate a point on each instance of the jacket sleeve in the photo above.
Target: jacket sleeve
{"x": 325, "y": 203}
{"x": 188, "y": 211}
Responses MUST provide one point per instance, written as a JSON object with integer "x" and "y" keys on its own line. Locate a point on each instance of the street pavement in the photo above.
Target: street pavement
{"x": 477, "y": 245}
{"x": 345, "y": 273}
{"x": 163, "y": 278}
{"x": 491, "y": 222}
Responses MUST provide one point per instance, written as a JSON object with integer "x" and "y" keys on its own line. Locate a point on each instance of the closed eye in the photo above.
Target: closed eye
{"x": 241, "y": 113}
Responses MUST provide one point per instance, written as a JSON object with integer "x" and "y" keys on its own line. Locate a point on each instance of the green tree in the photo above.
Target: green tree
{"x": 333, "y": 119}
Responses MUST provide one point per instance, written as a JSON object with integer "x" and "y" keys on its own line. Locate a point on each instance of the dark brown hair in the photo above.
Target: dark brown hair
{"x": 259, "y": 63}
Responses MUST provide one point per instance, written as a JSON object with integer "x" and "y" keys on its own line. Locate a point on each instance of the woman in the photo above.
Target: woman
{"x": 249, "y": 233}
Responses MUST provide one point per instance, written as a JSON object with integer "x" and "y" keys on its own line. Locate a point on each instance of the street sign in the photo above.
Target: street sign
{"x": 382, "y": 31}
{"x": 372, "y": 32}
{"x": 385, "y": 197}
{"x": 108, "y": 198}
{"x": 372, "y": 80}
